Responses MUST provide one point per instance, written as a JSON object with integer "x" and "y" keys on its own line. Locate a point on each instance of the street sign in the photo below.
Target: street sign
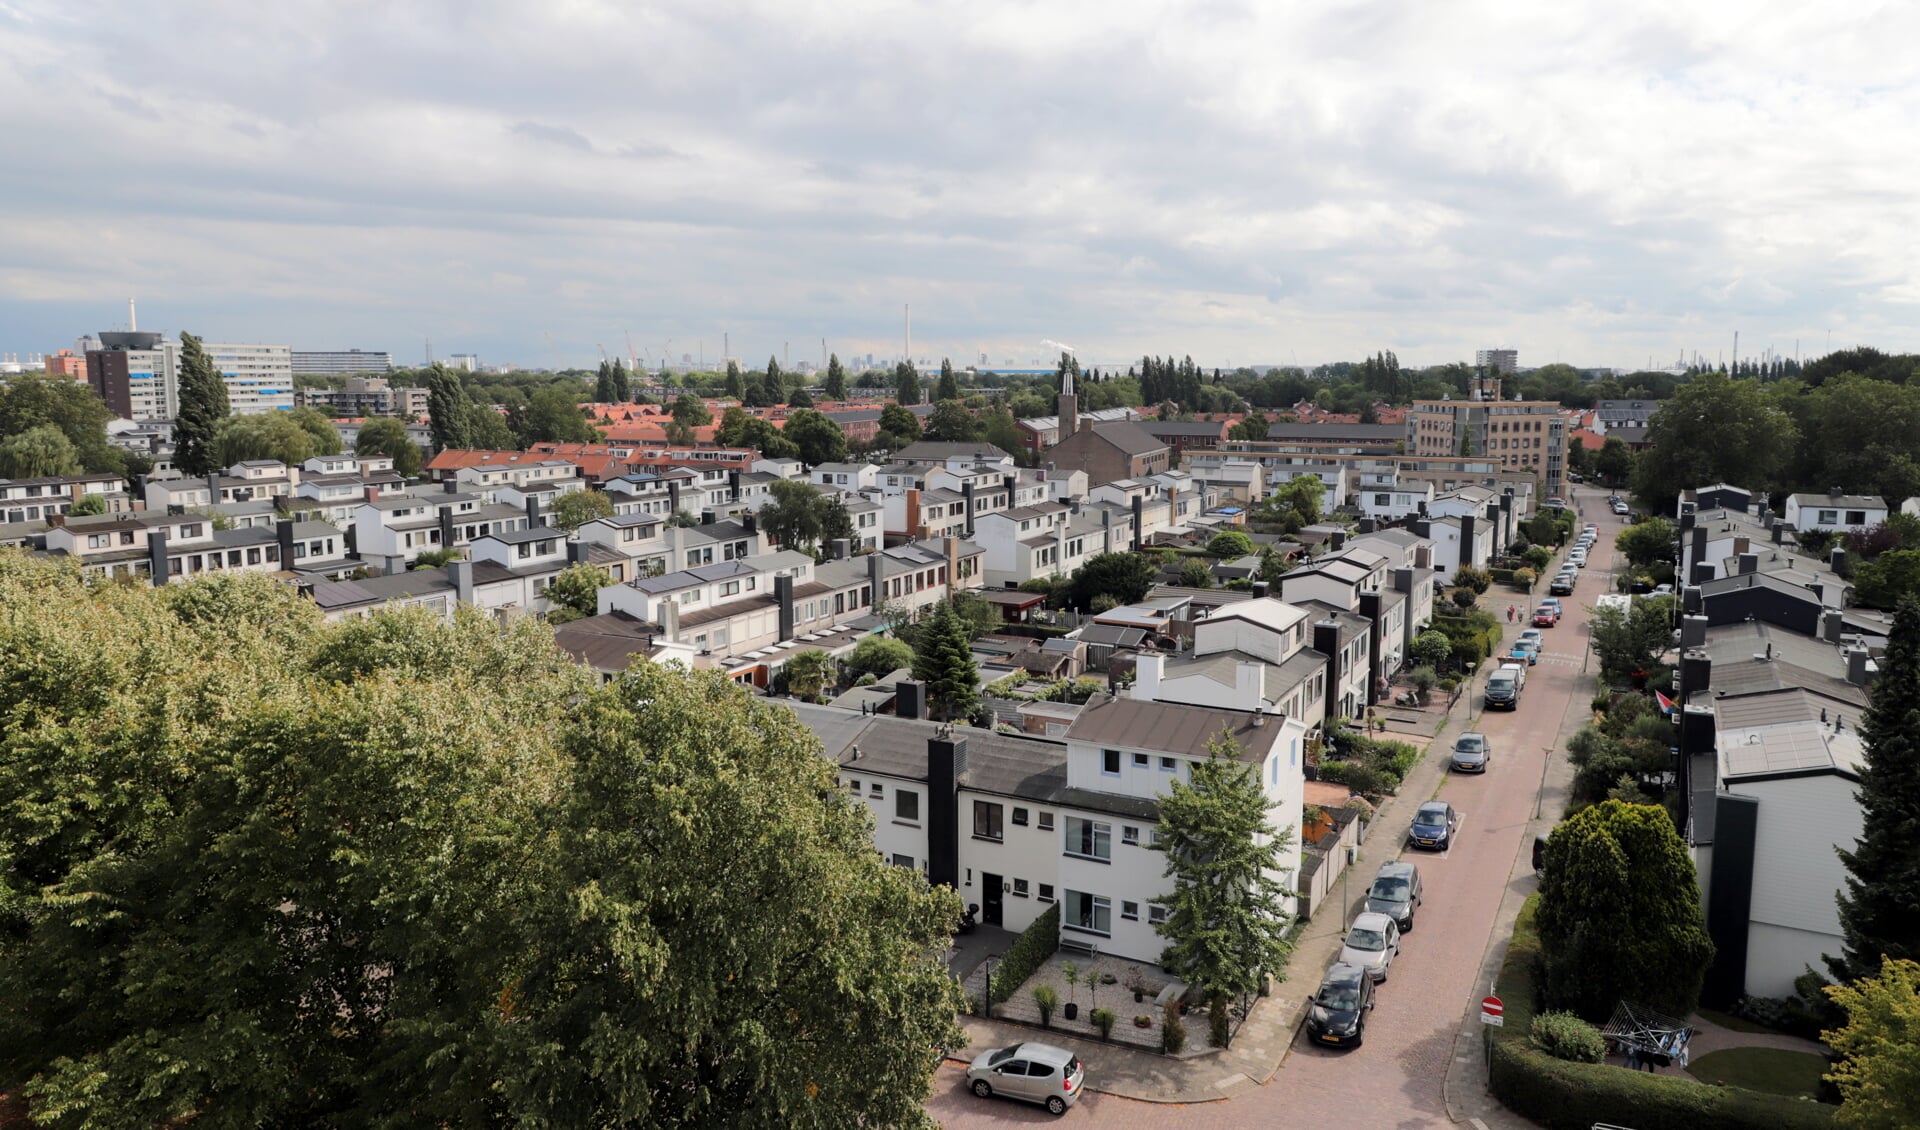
{"x": 1493, "y": 1012}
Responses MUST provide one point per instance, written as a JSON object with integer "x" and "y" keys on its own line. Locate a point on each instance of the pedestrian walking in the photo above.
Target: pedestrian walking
{"x": 1509, "y": 613}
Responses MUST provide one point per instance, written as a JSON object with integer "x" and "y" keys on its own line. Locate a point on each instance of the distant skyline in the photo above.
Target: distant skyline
{"x": 1250, "y": 184}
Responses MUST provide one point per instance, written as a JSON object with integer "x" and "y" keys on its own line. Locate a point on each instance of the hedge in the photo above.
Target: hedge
{"x": 1574, "y": 1096}
{"x": 1028, "y": 952}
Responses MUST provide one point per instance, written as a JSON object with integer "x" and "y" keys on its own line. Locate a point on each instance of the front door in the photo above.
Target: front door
{"x": 991, "y": 888}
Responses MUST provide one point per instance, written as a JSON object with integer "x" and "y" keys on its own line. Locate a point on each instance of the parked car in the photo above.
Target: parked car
{"x": 1433, "y": 825}
{"x": 1553, "y": 603}
{"x": 1661, "y": 590}
{"x": 1035, "y": 1073}
{"x": 1470, "y": 753}
{"x": 1340, "y": 1007}
{"x": 1578, "y": 557}
{"x": 1556, "y": 503}
{"x": 1504, "y": 685}
{"x": 1371, "y": 943}
{"x": 1621, "y": 508}
{"x": 1524, "y": 651}
{"x": 1534, "y": 634}
{"x": 1590, "y": 530}
{"x": 1561, "y": 585}
{"x": 1396, "y": 891}
{"x": 1547, "y": 617}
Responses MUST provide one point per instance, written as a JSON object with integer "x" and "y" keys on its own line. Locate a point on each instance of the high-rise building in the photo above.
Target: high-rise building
{"x": 1521, "y": 435}
{"x": 340, "y": 362}
{"x": 138, "y": 374}
{"x": 1499, "y": 360}
{"x": 67, "y": 363}
{"x": 465, "y": 362}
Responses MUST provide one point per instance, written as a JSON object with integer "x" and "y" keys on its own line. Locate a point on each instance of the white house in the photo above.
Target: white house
{"x": 1834, "y": 511}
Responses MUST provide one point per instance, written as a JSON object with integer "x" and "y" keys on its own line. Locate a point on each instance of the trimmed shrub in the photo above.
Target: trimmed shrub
{"x": 1102, "y": 1021}
{"x": 1479, "y": 580}
{"x": 1035, "y": 945}
{"x": 1173, "y": 1032}
{"x": 1523, "y": 579}
{"x": 1563, "y": 1035}
{"x": 1362, "y": 779}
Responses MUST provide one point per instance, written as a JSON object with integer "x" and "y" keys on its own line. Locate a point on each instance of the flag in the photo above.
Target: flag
{"x": 1666, "y": 704}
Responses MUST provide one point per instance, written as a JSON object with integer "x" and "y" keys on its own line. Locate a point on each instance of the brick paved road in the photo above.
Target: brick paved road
{"x": 1393, "y": 1082}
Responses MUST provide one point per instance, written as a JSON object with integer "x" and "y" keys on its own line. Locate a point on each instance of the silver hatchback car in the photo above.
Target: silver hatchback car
{"x": 1038, "y": 1073}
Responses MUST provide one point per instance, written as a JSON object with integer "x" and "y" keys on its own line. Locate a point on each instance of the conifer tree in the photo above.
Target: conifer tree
{"x": 949, "y": 385}
{"x": 622, "y": 387}
{"x": 1879, "y": 915}
{"x": 203, "y": 404}
{"x": 448, "y": 418}
{"x": 836, "y": 386}
{"x": 736, "y": 384}
{"x": 603, "y": 383}
{"x": 943, "y": 660}
{"x": 906, "y": 384}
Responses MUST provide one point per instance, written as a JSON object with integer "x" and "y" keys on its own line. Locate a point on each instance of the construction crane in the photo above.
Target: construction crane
{"x": 633, "y": 362}
{"x": 603, "y": 352}
{"x": 666, "y": 354}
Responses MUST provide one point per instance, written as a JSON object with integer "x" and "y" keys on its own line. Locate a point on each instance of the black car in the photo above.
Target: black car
{"x": 1396, "y": 893}
{"x": 1340, "y": 1007}
{"x": 1433, "y": 825}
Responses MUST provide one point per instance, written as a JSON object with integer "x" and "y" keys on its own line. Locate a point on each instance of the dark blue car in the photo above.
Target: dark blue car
{"x": 1433, "y": 825}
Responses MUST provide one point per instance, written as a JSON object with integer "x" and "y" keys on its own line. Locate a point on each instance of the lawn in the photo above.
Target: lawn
{"x": 1772, "y": 1070}
{"x": 1731, "y": 1022}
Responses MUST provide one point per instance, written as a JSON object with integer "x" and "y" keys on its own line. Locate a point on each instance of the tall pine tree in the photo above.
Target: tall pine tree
{"x": 836, "y": 386}
{"x": 949, "y": 385}
{"x": 449, "y": 420}
{"x": 203, "y": 404}
{"x": 1879, "y": 909}
{"x": 906, "y": 383}
{"x": 736, "y": 384}
{"x": 943, "y": 660}
{"x": 622, "y": 387}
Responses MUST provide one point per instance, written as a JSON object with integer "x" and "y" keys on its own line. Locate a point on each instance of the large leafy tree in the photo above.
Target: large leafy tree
{"x": 203, "y": 404}
{"x": 641, "y": 904}
{"x": 291, "y": 437}
{"x": 817, "y": 438}
{"x": 952, "y": 423}
{"x": 37, "y": 452}
{"x": 388, "y": 436}
{"x": 575, "y": 592}
{"x": 32, "y": 400}
{"x": 899, "y": 423}
{"x": 1880, "y": 906}
{"x": 1122, "y": 578}
{"x": 809, "y": 673}
{"x": 794, "y": 514}
{"x": 879, "y": 655}
{"x": 576, "y": 508}
{"x": 1645, "y": 543}
{"x": 1620, "y": 914}
{"x": 448, "y": 415}
{"x": 1632, "y": 640}
{"x": 1614, "y": 460}
{"x": 943, "y": 660}
{"x": 552, "y": 415}
{"x": 1714, "y": 429}
{"x": 836, "y": 384}
{"x": 1227, "y": 916}
{"x": 1879, "y": 1069}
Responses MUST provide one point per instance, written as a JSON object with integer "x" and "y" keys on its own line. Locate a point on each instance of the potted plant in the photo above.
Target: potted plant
{"x": 1046, "y": 1000}
{"x": 1143, "y": 1021}
{"x": 1102, "y": 1021}
{"x": 1094, "y": 981}
{"x": 1070, "y": 973}
{"x": 1137, "y": 983}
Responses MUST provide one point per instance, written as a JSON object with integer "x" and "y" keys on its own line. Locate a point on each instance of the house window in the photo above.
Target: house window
{"x": 906, "y": 805}
{"x": 986, "y": 821}
{"x": 853, "y": 787}
{"x": 1020, "y": 817}
{"x": 1088, "y": 913}
{"x": 1829, "y": 517}
{"x": 1046, "y": 892}
{"x": 1856, "y": 517}
{"x": 1129, "y": 835}
{"x": 902, "y": 860}
{"x": 1141, "y": 761}
{"x": 876, "y": 789}
{"x": 1089, "y": 839}
{"x": 1168, "y": 764}
{"x": 1046, "y": 821}
{"x": 1156, "y": 914}
{"x": 1130, "y": 910}
{"x": 1110, "y": 762}
{"x": 1019, "y": 888}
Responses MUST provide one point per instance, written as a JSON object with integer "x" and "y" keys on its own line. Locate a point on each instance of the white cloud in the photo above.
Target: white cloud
{"x": 1249, "y": 182}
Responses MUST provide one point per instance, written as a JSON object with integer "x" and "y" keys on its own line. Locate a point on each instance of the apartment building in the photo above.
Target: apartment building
{"x": 391, "y": 532}
{"x": 1520, "y": 435}
{"x": 366, "y": 396}
{"x": 339, "y": 362}
{"x": 37, "y": 499}
{"x": 166, "y": 547}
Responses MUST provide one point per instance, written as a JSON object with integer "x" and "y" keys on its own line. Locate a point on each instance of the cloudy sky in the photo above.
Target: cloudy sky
{"x": 1599, "y": 183}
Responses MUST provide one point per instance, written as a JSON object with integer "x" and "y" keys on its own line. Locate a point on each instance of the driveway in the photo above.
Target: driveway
{"x": 1423, "y": 1024}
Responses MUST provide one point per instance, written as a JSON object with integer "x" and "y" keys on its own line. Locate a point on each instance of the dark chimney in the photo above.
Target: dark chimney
{"x": 750, "y": 523}
{"x": 1139, "y": 522}
{"x": 1338, "y": 540}
{"x": 946, "y": 764}
{"x": 1693, "y": 602}
{"x": 673, "y": 496}
{"x": 157, "y": 559}
{"x": 1749, "y": 563}
{"x": 876, "y": 577}
{"x": 1693, "y": 631}
{"x": 840, "y": 547}
{"x": 966, "y": 495}
{"x": 1832, "y": 623}
{"x": 1467, "y": 555}
{"x": 1697, "y": 730}
{"x": 1326, "y": 641}
{"x": 1701, "y": 573}
{"x": 1780, "y": 533}
{"x": 283, "y": 532}
{"x": 462, "y": 573}
{"x": 446, "y": 527}
{"x": 733, "y": 486}
{"x": 1420, "y": 526}
{"x": 1837, "y": 557}
{"x": 1687, "y": 521}
{"x": 1403, "y": 580}
{"x": 783, "y": 593}
{"x": 577, "y": 552}
{"x": 213, "y": 489}
{"x": 1696, "y": 673}
{"x": 1370, "y": 608}
{"x": 450, "y": 485}
{"x": 533, "y": 513}
{"x": 1368, "y": 525}
{"x": 1857, "y": 666}
{"x": 910, "y": 699}
{"x": 1260, "y": 589}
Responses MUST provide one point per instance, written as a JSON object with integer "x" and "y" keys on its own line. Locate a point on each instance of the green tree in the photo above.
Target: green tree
{"x": 386, "y": 435}
{"x": 799, "y": 398}
{"x": 1123, "y": 578}
{"x": 449, "y": 414}
{"x": 899, "y": 423}
{"x": 1878, "y": 913}
{"x": 1879, "y": 1069}
{"x": 1631, "y": 640}
{"x": 1230, "y": 544}
{"x": 1195, "y": 574}
{"x": 836, "y": 385}
{"x": 1431, "y": 648}
{"x": 949, "y": 386}
{"x": 487, "y": 430}
{"x": 1227, "y": 916}
{"x": 1645, "y": 543}
{"x": 1714, "y": 429}
{"x": 943, "y": 660}
{"x": 38, "y": 452}
{"x": 89, "y": 505}
{"x": 31, "y": 400}
{"x": 1614, "y": 461}
{"x": 690, "y": 411}
{"x": 273, "y": 435}
{"x": 736, "y": 384}
{"x": 999, "y": 428}
{"x": 951, "y": 423}
{"x": 203, "y": 404}
{"x": 603, "y": 386}
{"x": 809, "y": 673}
{"x": 1620, "y": 914}
{"x": 575, "y": 591}
{"x": 1253, "y": 429}
{"x": 1888, "y": 580}
{"x": 576, "y": 508}
{"x": 906, "y": 384}
{"x": 794, "y": 514}
{"x": 1300, "y": 497}
{"x": 551, "y": 415}
{"x": 878, "y": 656}
{"x": 816, "y": 438}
